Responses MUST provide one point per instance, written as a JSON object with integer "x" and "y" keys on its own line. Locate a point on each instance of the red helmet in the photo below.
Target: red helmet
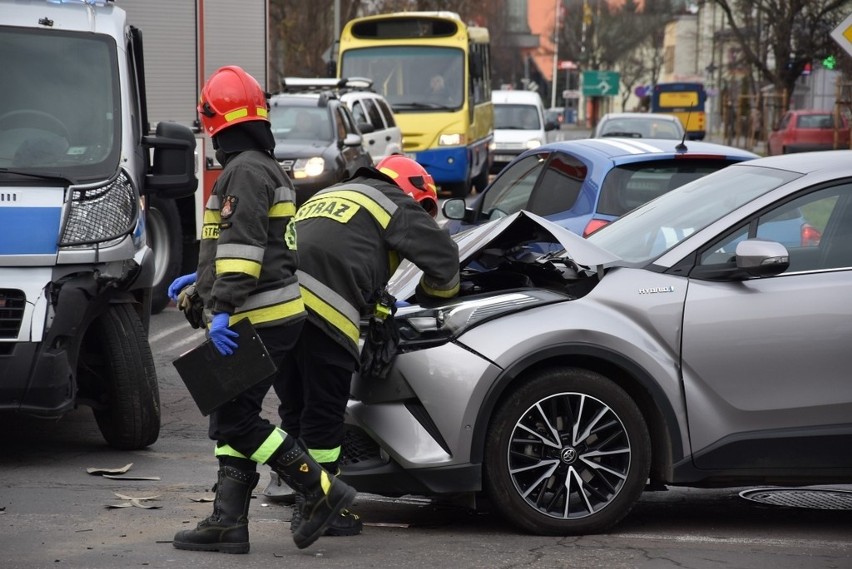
{"x": 413, "y": 179}
{"x": 229, "y": 97}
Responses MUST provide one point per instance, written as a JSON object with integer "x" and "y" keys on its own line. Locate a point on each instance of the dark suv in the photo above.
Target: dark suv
{"x": 316, "y": 139}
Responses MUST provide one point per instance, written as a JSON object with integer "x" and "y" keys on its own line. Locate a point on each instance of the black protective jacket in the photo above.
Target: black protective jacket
{"x": 247, "y": 259}
{"x": 351, "y": 238}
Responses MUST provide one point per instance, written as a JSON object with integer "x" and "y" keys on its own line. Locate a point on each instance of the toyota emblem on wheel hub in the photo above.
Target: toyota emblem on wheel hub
{"x": 568, "y": 455}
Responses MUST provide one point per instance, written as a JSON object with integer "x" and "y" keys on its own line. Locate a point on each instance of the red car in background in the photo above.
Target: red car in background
{"x": 806, "y": 130}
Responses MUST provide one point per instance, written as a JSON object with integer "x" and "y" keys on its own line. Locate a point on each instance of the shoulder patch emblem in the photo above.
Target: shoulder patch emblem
{"x": 229, "y": 205}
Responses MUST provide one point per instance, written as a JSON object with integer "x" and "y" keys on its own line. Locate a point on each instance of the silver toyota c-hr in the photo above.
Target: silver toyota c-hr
{"x": 701, "y": 340}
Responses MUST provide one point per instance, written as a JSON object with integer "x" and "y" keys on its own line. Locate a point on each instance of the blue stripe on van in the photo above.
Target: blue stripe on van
{"x": 29, "y": 230}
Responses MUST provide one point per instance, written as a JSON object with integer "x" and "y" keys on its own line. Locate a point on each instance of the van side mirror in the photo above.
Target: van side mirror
{"x": 172, "y": 175}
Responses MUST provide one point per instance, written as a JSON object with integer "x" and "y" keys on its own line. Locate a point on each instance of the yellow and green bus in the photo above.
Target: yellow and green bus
{"x": 435, "y": 71}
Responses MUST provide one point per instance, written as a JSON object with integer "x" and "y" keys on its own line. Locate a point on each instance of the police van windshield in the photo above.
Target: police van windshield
{"x": 60, "y": 103}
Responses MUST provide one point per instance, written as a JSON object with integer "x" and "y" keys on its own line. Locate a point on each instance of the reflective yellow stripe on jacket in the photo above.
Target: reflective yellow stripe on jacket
{"x": 330, "y": 306}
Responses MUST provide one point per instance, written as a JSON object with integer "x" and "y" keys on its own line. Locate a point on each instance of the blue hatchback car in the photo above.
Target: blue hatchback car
{"x": 584, "y": 184}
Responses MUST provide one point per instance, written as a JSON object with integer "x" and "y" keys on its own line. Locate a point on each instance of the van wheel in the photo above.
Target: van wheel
{"x": 117, "y": 366}
{"x": 165, "y": 240}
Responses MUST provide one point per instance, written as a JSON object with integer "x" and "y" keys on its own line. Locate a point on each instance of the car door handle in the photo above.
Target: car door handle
{"x": 387, "y": 139}
{"x": 372, "y": 141}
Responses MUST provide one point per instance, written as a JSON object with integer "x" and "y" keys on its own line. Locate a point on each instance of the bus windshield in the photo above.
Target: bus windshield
{"x": 411, "y": 77}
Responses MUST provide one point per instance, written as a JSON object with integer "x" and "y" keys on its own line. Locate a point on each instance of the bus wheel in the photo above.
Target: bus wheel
{"x": 480, "y": 182}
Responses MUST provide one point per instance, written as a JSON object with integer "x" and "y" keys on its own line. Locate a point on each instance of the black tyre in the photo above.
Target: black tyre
{"x": 118, "y": 368}
{"x": 567, "y": 453}
{"x": 165, "y": 238}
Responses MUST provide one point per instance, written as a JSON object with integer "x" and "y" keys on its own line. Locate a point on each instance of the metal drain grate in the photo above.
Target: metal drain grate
{"x": 812, "y": 498}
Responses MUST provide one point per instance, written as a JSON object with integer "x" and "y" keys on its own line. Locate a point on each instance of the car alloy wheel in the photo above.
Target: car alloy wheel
{"x": 568, "y": 453}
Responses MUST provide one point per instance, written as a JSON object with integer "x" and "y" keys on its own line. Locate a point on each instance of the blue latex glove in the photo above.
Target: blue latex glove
{"x": 221, "y": 335}
{"x": 179, "y": 284}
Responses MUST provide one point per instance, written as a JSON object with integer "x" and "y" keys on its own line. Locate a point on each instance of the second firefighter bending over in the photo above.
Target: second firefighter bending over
{"x": 351, "y": 238}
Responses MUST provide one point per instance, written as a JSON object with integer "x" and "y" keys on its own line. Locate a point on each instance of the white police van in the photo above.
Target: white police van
{"x": 76, "y": 168}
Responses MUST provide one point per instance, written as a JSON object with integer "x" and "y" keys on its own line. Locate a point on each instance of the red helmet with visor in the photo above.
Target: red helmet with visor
{"x": 231, "y": 96}
{"x": 413, "y": 179}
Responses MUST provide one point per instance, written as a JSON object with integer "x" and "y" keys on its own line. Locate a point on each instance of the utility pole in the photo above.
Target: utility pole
{"x": 555, "y": 51}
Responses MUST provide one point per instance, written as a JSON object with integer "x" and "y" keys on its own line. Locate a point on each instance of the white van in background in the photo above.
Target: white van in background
{"x": 518, "y": 125}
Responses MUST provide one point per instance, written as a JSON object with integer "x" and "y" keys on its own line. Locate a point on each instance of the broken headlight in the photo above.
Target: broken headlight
{"x": 424, "y": 327}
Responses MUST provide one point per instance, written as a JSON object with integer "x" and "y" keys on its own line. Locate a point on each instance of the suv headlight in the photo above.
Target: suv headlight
{"x": 426, "y": 327}
{"x": 308, "y": 167}
{"x": 102, "y": 213}
{"x": 533, "y": 143}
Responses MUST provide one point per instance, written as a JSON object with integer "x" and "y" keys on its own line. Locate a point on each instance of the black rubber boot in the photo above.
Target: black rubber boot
{"x": 226, "y": 530}
{"x": 344, "y": 524}
{"x": 324, "y": 495}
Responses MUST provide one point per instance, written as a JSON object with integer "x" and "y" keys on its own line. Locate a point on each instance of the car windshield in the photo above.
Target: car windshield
{"x": 648, "y": 231}
{"x": 60, "y": 103}
{"x": 516, "y": 117}
{"x": 300, "y": 122}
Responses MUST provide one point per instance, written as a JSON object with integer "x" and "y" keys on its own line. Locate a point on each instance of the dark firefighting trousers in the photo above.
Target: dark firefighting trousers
{"x": 238, "y": 424}
{"x": 314, "y": 397}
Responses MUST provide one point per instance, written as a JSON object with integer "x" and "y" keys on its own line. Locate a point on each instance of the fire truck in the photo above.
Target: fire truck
{"x": 185, "y": 42}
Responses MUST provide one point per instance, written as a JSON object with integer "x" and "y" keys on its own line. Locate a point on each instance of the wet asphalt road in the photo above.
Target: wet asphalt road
{"x": 54, "y": 514}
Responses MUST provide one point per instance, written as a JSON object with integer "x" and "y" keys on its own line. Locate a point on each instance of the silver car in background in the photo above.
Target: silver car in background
{"x": 701, "y": 340}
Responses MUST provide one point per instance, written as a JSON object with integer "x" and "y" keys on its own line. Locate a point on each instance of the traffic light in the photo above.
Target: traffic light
{"x": 829, "y": 62}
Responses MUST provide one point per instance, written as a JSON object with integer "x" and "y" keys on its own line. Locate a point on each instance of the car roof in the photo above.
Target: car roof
{"x": 654, "y": 148}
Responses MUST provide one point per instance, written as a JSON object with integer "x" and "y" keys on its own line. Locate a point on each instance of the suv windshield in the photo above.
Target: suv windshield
{"x": 60, "y": 103}
{"x": 294, "y": 120}
{"x": 648, "y": 231}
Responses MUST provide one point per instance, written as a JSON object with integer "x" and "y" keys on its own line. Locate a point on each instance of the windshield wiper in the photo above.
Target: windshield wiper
{"x": 41, "y": 175}
{"x": 430, "y": 106}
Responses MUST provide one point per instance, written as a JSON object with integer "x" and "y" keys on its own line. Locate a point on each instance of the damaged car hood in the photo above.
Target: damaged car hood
{"x": 519, "y": 229}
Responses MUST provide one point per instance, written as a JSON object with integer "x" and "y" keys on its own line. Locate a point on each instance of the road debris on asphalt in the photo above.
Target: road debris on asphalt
{"x": 135, "y": 502}
{"x": 118, "y": 473}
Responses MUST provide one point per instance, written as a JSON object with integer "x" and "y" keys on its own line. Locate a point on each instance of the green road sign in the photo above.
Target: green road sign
{"x": 600, "y": 83}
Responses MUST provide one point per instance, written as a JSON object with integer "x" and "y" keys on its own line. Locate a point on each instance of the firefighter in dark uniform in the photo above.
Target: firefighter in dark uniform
{"x": 247, "y": 269}
{"x": 351, "y": 238}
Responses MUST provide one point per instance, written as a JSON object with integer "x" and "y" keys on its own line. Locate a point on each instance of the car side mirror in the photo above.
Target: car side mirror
{"x": 752, "y": 258}
{"x": 366, "y": 128}
{"x": 352, "y": 139}
{"x": 551, "y": 125}
{"x": 762, "y": 258}
{"x": 454, "y": 208}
